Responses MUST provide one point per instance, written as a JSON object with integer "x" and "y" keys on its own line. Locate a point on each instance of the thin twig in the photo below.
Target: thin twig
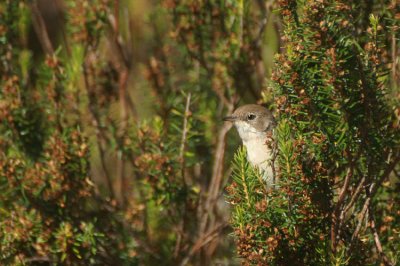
{"x": 117, "y": 41}
{"x": 99, "y": 133}
{"x": 355, "y": 196}
{"x": 219, "y": 160}
{"x": 336, "y": 219}
{"x": 184, "y": 131}
{"x": 201, "y": 242}
{"x": 40, "y": 28}
{"x": 361, "y": 217}
{"x": 389, "y": 169}
{"x": 38, "y": 259}
{"x": 215, "y": 183}
{"x": 122, "y": 64}
{"x": 124, "y": 186}
{"x": 60, "y": 14}
{"x": 265, "y": 7}
{"x": 394, "y": 54}
{"x": 377, "y": 241}
{"x": 182, "y": 149}
{"x": 370, "y": 194}
{"x": 214, "y": 187}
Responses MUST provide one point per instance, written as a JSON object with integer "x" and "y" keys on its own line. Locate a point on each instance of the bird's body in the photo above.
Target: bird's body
{"x": 255, "y": 124}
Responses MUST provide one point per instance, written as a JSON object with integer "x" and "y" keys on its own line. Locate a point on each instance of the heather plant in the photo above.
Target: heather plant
{"x": 90, "y": 173}
{"x": 113, "y": 150}
{"x": 337, "y": 141}
{"x": 51, "y": 210}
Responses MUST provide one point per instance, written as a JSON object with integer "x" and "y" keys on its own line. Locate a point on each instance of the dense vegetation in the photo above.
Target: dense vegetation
{"x": 113, "y": 152}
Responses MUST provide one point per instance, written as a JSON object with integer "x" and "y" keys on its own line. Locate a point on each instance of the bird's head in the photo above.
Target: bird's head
{"x": 252, "y": 121}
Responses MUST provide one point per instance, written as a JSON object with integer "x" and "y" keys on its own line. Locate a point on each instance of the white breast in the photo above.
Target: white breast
{"x": 258, "y": 153}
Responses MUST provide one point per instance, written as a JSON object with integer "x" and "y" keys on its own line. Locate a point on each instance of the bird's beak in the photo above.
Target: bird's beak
{"x": 230, "y": 118}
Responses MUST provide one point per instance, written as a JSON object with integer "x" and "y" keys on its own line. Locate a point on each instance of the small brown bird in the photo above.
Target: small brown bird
{"x": 254, "y": 124}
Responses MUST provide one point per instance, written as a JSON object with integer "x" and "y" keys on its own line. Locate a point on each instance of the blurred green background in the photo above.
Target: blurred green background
{"x": 112, "y": 145}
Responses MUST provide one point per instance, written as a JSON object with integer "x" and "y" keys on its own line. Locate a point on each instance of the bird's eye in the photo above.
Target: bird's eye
{"x": 251, "y": 116}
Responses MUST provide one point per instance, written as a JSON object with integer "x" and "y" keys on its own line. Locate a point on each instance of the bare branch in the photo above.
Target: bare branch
{"x": 337, "y": 219}
{"x": 40, "y": 28}
{"x": 355, "y": 196}
{"x": 389, "y": 169}
{"x": 265, "y": 7}
{"x": 99, "y": 132}
{"x": 370, "y": 194}
{"x": 182, "y": 161}
{"x": 122, "y": 63}
{"x": 216, "y": 180}
{"x": 394, "y": 50}
{"x": 38, "y": 259}
{"x": 184, "y": 130}
{"x": 361, "y": 217}
{"x": 201, "y": 242}
{"x": 377, "y": 241}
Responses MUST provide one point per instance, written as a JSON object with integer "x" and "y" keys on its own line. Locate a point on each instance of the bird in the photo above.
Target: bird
{"x": 255, "y": 125}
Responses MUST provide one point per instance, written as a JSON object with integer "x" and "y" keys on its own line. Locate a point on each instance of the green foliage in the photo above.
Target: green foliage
{"x": 89, "y": 173}
{"x": 337, "y": 141}
{"x": 276, "y": 225}
{"x": 113, "y": 152}
{"x": 49, "y": 214}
